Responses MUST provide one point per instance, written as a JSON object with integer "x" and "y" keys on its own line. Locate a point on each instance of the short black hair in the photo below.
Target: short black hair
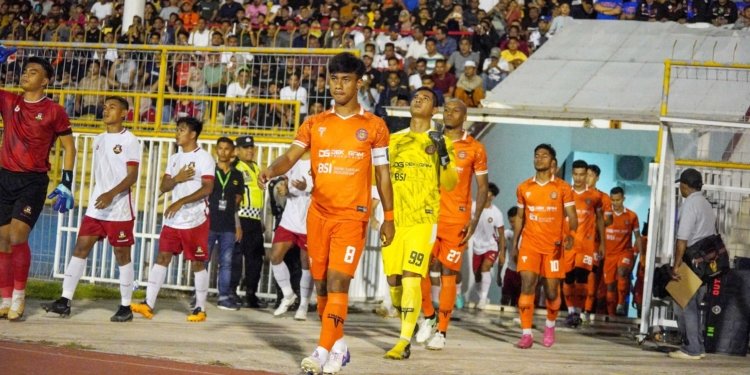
{"x": 431, "y": 91}
{"x": 548, "y": 147}
{"x": 346, "y": 62}
{"x": 617, "y": 190}
{"x": 49, "y": 71}
{"x": 431, "y": 39}
{"x": 119, "y": 99}
{"x": 193, "y": 124}
{"x": 225, "y": 140}
{"x": 595, "y": 168}
{"x": 580, "y": 164}
{"x": 494, "y": 189}
{"x": 512, "y": 212}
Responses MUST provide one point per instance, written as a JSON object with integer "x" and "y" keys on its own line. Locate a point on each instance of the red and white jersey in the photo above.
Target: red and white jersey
{"x": 192, "y": 214}
{"x": 113, "y": 153}
{"x": 485, "y": 238}
{"x": 294, "y": 217}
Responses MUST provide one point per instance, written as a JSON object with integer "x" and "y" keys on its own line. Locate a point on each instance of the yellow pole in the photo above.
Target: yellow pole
{"x": 160, "y": 92}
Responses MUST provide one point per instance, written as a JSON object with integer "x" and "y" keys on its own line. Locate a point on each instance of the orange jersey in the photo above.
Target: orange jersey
{"x": 342, "y": 154}
{"x": 471, "y": 159}
{"x": 620, "y": 233}
{"x": 606, "y": 203}
{"x": 543, "y": 207}
{"x": 588, "y": 203}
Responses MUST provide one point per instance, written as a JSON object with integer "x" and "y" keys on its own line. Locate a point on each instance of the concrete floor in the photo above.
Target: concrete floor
{"x": 480, "y": 343}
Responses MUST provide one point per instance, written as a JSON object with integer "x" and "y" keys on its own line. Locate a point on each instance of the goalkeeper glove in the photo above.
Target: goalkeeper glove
{"x": 63, "y": 193}
{"x": 436, "y": 136}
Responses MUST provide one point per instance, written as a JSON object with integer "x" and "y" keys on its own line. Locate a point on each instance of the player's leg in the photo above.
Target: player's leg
{"x": 73, "y": 272}
{"x": 429, "y": 323}
{"x": 450, "y": 255}
{"x": 568, "y": 287}
{"x": 281, "y": 244}
{"x": 127, "y": 275}
{"x": 581, "y": 279}
{"x": 551, "y": 290}
{"x": 530, "y": 268}
{"x": 305, "y": 281}
{"x": 624, "y": 271}
{"x": 6, "y": 268}
{"x": 393, "y": 259}
{"x": 200, "y": 273}
{"x": 20, "y": 263}
{"x": 485, "y": 268}
{"x": 318, "y": 245}
{"x": 195, "y": 244}
{"x": 610, "y": 280}
{"x": 170, "y": 243}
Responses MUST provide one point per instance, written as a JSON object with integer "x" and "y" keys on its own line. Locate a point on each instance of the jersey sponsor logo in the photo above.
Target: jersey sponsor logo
{"x": 461, "y": 155}
{"x": 117, "y": 149}
{"x": 362, "y": 134}
{"x": 336, "y": 319}
{"x": 626, "y": 261}
{"x": 553, "y": 195}
{"x": 430, "y": 149}
{"x": 356, "y": 155}
{"x": 325, "y": 153}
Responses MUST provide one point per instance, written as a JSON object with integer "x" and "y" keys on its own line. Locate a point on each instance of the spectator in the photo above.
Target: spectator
{"x": 470, "y": 87}
{"x": 189, "y": 16}
{"x": 77, "y": 16}
{"x": 254, "y": 9}
{"x": 381, "y": 61}
{"x": 442, "y": 12}
{"x": 649, "y": 10}
{"x": 743, "y": 21}
{"x": 334, "y": 37}
{"x": 424, "y": 19}
{"x": 389, "y": 95}
{"x": 208, "y": 9}
{"x": 445, "y": 44}
{"x": 432, "y": 56}
{"x": 417, "y": 48}
{"x": 303, "y": 36}
{"x": 700, "y": 10}
{"x": 484, "y": 39}
{"x": 494, "y": 70}
{"x": 285, "y": 36}
{"x": 237, "y": 112}
{"x": 55, "y": 31}
{"x": 471, "y": 14}
{"x": 228, "y": 10}
{"x": 676, "y": 10}
{"x": 540, "y": 36}
{"x": 149, "y": 14}
{"x": 93, "y": 81}
{"x": 561, "y": 20}
{"x": 515, "y": 32}
{"x": 122, "y": 73}
{"x": 404, "y": 39}
{"x": 319, "y": 91}
{"x": 444, "y": 80}
{"x": 101, "y": 9}
{"x": 530, "y": 21}
{"x": 458, "y": 59}
{"x": 269, "y": 116}
{"x": 428, "y": 81}
{"x": 367, "y": 38}
{"x": 511, "y": 285}
{"x": 608, "y": 9}
{"x": 201, "y": 36}
{"x": 415, "y": 80}
{"x": 368, "y": 95}
{"x": 171, "y": 8}
{"x": 513, "y": 56}
{"x": 369, "y": 70}
{"x": 91, "y": 32}
{"x": 295, "y": 92}
{"x": 586, "y": 10}
{"x": 723, "y": 12}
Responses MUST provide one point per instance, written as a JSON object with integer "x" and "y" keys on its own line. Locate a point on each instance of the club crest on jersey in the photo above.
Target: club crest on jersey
{"x": 489, "y": 220}
{"x": 39, "y": 116}
{"x": 17, "y": 109}
{"x": 191, "y": 165}
{"x": 528, "y": 194}
{"x": 430, "y": 149}
{"x": 362, "y": 134}
{"x": 117, "y": 149}
{"x": 553, "y": 195}
{"x": 627, "y": 222}
{"x": 27, "y": 210}
{"x": 461, "y": 155}
{"x": 588, "y": 202}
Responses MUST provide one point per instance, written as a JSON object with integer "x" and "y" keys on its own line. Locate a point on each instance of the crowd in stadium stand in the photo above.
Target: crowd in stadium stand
{"x": 460, "y": 48}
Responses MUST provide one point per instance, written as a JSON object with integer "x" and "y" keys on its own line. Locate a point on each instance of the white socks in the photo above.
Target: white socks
{"x": 484, "y": 289}
{"x": 126, "y": 284}
{"x": 549, "y": 323}
{"x": 458, "y": 288}
{"x": 73, "y": 273}
{"x": 201, "y": 289}
{"x": 305, "y": 288}
{"x": 155, "y": 280}
{"x": 281, "y": 274}
{"x": 339, "y": 346}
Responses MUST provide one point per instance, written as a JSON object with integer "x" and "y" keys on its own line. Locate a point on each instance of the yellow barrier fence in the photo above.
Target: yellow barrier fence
{"x": 264, "y": 92}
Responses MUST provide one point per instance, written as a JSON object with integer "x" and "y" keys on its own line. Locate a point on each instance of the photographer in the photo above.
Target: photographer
{"x": 696, "y": 221}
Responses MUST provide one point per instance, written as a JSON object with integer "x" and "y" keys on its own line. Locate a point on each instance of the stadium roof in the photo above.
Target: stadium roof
{"x": 614, "y": 70}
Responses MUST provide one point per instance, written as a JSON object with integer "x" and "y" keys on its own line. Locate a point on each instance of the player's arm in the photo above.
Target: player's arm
{"x": 600, "y": 225}
{"x": 482, "y": 189}
{"x": 69, "y": 146}
{"x": 638, "y": 243}
{"x": 570, "y": 212}
{"x": 500, "y": 235}
{"x": 517, "y": 223}
{"x": 104, "y": 200}
{"x": 385, "y": 190}
{"x": 63, "y": 193}
{"x": 281, "y": 165}
{"x": 207, "y": 185}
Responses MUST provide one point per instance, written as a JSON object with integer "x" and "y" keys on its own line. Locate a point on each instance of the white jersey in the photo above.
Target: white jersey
{"x": 294, "y": 217}
{"x": 113, "y": 152}
{"x": 485, "y": 236}
{"x": 192, "y": 214}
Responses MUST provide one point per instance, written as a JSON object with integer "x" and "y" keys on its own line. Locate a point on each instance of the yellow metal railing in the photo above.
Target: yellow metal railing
{"x": 156, "y": 121}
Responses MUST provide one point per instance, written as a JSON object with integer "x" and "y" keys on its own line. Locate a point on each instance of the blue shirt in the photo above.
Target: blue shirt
{"x": 609, "y": 4}
{"x": 447, "y": 47}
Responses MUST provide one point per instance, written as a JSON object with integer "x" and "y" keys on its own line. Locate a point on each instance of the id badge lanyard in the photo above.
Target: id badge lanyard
{"x": 223, "y": 183}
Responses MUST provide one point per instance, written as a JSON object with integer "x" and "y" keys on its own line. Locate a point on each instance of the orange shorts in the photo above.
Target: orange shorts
{"x": 335, "y": 245}
{"x": 447, "y": 248}
{"x": 578, "y": 259}
{"x": 615, "y": 261}
{"x": 545, "y": 265}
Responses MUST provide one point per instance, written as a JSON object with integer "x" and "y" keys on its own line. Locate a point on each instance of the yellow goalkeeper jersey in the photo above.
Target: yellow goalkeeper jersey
{"x": 416, "y": 176}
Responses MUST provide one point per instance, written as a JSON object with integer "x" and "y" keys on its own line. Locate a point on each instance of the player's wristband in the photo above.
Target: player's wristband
{"x": 388, "y": 215}
{"x": 67, "y": 179}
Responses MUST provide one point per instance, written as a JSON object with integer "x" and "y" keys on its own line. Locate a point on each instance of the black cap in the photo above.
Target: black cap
{"x": 691, "y": 178}
{"x": 245, "y": 141}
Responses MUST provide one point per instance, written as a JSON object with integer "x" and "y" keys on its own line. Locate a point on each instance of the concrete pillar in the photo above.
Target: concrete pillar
{"x": 132, "y": 8}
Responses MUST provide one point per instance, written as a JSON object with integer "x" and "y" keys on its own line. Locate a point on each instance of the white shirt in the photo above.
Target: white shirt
{"x": 415, "y": 81}
{"x": 101, "y": 10}
{"x": 294, "y": 217}
{"x": 485, "y": 236}
{"x": 416, "y": 49}
{"x": 234, "y": 90}
{"x": 113, "y": 152}
{"x": 200, "y": 38}
{"x": 192, "y": 214}
{"x": 299, "y": 95}
{"x": 242, "y": 57}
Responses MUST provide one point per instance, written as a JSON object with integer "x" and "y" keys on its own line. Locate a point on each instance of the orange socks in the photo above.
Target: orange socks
{"x": 447, "y": 300}
{"x": 569, "y": 293}
{"x": 427, "y": 307}
{"x": 611, "y": 301}
{"x": 334, "y": 316}
{"x": 322, "y": 300}
{"x": 526, "y": 310}
{"x": 579, "y": 291}
{"x": 553, "y": 308}
{"x": 590, "y": 292}
{"x": 623, "y": 288}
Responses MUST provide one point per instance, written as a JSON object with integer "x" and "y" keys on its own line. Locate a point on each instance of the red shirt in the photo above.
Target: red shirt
{"x": 30, "y": 132}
